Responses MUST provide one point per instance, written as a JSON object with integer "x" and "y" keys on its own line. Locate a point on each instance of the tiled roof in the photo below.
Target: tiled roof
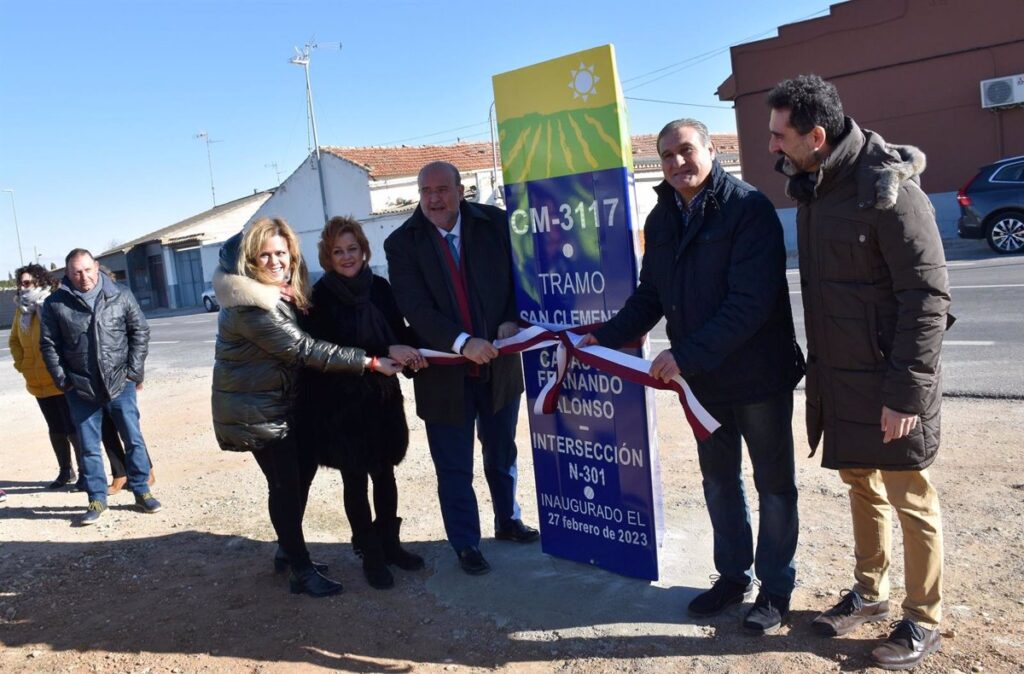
{"x": 406, "y": 160}
{"x": 645, "y": 149}
{"x": 395, "y": 209}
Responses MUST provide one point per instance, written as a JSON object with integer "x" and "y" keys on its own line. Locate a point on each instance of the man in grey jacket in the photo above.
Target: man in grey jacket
{"x": 94, "y": 340}
{"x": 876, "y": 305}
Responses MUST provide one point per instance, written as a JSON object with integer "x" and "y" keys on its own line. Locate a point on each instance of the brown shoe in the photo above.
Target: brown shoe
{"x": 117, "y": 484}
{"x": 907, "y": 646}
{"x": 152, "y": 477}
{"x": 850, "y": 613}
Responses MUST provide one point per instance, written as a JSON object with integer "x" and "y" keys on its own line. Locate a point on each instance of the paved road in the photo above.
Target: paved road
{"x": 983, "y": 354}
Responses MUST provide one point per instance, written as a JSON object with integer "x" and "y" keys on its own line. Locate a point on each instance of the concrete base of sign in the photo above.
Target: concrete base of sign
{"x": 544, "y": 598}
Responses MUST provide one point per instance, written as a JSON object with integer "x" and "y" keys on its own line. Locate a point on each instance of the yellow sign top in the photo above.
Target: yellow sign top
{"x": 583, "y": 80}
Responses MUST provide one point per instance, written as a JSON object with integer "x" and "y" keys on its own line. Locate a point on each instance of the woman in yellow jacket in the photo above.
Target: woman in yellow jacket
{"x": 34, "y": 285}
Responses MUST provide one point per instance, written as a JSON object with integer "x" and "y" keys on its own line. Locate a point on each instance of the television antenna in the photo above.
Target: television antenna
{"x": 277, "y": 171}
{"x": 205, "y": 137}
{"x": 301, "y": 58}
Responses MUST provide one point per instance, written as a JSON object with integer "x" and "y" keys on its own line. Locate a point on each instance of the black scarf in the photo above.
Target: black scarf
{"x": 372, "y": 329}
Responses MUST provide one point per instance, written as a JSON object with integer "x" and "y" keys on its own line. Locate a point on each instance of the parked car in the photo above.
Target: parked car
{"x": 210, "y": 300}
{"x": 992, "y": 206}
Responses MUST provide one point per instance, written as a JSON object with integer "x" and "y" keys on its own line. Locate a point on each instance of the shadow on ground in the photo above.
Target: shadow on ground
{"x": 197, "y": 593}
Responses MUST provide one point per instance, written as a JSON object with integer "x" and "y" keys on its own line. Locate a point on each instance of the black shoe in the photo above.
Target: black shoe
{"x": 907, "y": 646}
{"x": 472, "y": 562}
{"x": 394, "y": 553}
{"x": 64, "y": 479}
{"x": 767, "y": 615}
{"x": 367, "y": 545}
{"x": 311, "y": 582}
{"x": 517, "y": 532}
{"x": 723, "y": 594}
{"x": 281, "y": 562}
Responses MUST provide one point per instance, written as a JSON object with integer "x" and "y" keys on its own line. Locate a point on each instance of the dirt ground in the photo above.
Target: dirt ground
{"x": 190, "y": 589}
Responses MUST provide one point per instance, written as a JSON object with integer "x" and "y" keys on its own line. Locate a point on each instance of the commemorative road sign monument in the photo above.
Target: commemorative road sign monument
{"x": 567, "y": 166}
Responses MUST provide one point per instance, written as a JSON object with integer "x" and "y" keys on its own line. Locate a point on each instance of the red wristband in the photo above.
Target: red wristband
{"x": 374, "y": 363}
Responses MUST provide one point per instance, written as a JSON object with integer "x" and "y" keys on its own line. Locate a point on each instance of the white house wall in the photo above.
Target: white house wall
{"x": 209, "y": 254}
{"x": 297, "y": 200}
{"x": 386, "y": 192}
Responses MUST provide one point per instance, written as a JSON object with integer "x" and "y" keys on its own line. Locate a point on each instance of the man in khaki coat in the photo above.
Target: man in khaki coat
{"x": 876, "y": 301}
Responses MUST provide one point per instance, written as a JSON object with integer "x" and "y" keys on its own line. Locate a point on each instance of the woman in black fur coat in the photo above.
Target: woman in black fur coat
{"x": 357, "y": 424}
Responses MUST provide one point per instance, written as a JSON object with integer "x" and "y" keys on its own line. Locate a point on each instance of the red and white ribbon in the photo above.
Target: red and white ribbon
{"x": 630, "y": 368}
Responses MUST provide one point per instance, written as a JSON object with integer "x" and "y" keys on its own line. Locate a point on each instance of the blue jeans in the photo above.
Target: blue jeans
{"x": 766, "y": 427}
{"x": 451, "y": 448}
{"x": 88, "y": 419}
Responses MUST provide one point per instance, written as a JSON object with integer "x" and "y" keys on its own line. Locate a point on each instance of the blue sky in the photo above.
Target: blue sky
{"x": 100, "y": 101}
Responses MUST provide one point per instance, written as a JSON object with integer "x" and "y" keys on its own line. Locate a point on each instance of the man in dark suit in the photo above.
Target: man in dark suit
{"x": 450, "y": 266}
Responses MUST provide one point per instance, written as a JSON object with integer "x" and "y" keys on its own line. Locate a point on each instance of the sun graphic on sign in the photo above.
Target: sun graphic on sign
{"x": 584, "y": 82}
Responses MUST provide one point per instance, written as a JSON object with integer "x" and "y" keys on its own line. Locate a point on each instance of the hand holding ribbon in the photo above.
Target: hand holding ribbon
{"x": 573, "y": 345}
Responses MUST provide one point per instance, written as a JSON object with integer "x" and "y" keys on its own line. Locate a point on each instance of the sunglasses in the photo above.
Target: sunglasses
{"x": 26, "y": 284}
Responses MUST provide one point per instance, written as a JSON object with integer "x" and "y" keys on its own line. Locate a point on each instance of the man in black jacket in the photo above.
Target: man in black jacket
{"x": 94, "y": 340}
{"x": 715, "y": 267}
{"x": 450, "y": 266}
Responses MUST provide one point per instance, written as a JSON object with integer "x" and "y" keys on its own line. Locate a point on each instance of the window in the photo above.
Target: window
{"x": 1011, "y": 173}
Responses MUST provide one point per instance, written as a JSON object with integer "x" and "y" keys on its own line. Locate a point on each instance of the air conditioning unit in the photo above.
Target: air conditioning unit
{"x": 1002, "y": 91}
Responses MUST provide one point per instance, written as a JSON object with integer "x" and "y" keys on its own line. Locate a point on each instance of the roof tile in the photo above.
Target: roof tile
{"x": 406, "y": 160}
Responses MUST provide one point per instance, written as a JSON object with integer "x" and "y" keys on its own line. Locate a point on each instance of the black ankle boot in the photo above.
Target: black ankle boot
{"x": 281, "y": 562}
{"x": 393, "y": 552}
{"x": 367, "y": 545}
{"x": 62, "y": 449}
{"x": 310, "y": 581}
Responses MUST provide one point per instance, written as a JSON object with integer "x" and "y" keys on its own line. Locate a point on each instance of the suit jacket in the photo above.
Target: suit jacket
{"x": 425, "y": 294}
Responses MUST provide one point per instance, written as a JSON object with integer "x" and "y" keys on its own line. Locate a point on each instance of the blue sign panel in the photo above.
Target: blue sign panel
{"x": 597, "y": 478}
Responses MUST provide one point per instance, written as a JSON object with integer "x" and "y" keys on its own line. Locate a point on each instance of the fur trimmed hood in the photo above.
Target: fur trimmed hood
{"x": 883, "y": 168}
{"x": 233, "y": 290}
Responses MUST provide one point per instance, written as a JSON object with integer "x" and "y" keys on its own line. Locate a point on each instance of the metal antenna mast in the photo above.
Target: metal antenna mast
{"x": 205, "y": 137}
{"x": 277, "y": 171}
{"x": 301, "y": 58}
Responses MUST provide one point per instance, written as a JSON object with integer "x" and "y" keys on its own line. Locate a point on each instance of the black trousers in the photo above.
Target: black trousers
{"x": 289, "y": 474}
{"x": 357, "y": 503}
{"x": 58, "y": 416}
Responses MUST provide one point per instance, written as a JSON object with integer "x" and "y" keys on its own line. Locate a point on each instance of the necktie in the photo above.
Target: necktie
{"x": 454, "y": 247}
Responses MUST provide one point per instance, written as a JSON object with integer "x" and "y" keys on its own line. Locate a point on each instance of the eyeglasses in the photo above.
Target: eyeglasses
{"x": 26, "y": 284}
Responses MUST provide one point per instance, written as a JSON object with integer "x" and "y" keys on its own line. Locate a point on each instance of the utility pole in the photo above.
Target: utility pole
{"x": 205, "y": 137}
{"x": 492, "y": 123}
{"x": 17, "y": 233}
{"x": 301, "y": 58}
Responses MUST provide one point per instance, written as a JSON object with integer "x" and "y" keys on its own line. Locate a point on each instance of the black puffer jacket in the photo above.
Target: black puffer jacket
{"x": 94, "y": 350}
{"x": 354, "y": 423}
{"x": 260, "y": 349}
{"x": 721, "y": 287}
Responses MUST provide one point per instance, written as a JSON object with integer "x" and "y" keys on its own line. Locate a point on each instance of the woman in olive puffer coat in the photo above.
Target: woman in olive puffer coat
{"x": 260, "y": 286}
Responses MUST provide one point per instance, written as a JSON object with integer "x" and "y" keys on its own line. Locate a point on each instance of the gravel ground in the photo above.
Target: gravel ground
{"x": 190, "y": 589}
